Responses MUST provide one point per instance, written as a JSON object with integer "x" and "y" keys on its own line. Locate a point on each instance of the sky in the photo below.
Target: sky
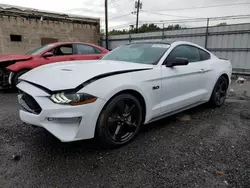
{"x": 155, "y": 11}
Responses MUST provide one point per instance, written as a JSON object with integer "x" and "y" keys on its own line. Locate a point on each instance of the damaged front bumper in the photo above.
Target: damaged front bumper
{"x": 67, "y": 123}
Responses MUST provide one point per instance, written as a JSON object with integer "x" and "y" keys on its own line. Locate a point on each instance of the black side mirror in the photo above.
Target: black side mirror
{"x": 48, "y": 54}
{"x": 179, "y": 61}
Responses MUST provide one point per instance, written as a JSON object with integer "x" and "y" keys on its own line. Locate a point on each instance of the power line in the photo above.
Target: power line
{"x": 167, "y": 14}
{"x": 187, "y": 20}
{"x": 124, "y": 15}
{"x": 123, "y": 2}
{"x": 110, "y": 1}
{"x": 118, "y": 8}
{"x": 115, "y": 17}
{"x": 201, "y": 19}
{"x": 203, "y": 7}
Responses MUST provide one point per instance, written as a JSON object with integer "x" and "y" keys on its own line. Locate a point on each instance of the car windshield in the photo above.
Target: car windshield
{"x": 145, "y": 53}
{"x": 40, "y": 49}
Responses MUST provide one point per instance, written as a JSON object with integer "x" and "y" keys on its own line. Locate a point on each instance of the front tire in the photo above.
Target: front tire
{"x": 14, "y": 80}
{"x": 119, "y": 121}
{"x": 219, "y": 94}
{"x": 1, "y": 76}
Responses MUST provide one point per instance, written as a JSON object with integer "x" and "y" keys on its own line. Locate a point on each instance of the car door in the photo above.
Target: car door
{"x": 206, "y": 66}
{"x": 182, "y": 86}
{"x": 87, "y": 52}
{"x": 60, "y": 53}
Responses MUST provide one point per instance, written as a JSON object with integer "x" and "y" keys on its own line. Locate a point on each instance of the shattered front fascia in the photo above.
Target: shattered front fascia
{"x": 4, "y": 75}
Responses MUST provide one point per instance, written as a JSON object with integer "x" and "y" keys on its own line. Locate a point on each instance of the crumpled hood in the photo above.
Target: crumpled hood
{"x": 14, "y": 57}
{"x": 69, "y": 75}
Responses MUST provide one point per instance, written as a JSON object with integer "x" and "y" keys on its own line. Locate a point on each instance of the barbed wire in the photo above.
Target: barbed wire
{"x": 204, "y": 7}
{"x": 172, "y": 21}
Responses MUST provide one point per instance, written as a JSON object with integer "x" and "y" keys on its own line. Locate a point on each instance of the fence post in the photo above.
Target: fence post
{"x": 131, "y": 27}
{"x": 163, "y": 31}
{"x": 207, "y": 33}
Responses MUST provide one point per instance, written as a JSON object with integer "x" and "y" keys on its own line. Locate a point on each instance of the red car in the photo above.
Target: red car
{"x": 14, "y": 65}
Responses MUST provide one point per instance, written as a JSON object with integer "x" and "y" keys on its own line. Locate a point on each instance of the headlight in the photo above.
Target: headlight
{"x": 72, "y": 98}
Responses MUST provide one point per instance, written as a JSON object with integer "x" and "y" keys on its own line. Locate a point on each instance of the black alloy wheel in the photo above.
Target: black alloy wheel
{"x": 220, "y": 92}
{"x": 120, "y": 120}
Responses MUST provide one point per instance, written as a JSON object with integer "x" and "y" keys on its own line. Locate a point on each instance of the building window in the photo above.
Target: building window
{"x": 16, "y": 38}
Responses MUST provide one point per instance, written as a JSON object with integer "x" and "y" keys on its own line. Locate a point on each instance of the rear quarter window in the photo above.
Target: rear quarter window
{"x": 185, "y": 51}
{"x": 97, "y": 51}
{"x": 204, "y": 55}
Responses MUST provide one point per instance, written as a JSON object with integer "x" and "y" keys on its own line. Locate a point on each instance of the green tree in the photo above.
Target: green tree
{"x": 145, "y": 28}
{"x": 221, "y": 24}
{"x": 102, "y": 33}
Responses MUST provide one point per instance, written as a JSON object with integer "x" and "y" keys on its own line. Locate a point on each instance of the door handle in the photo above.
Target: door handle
{"x": 202, "y": 70}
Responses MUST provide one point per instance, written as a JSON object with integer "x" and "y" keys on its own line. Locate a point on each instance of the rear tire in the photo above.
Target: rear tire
{"x": 120, "y": 121}
{"x": 219, "y": 94}
{"x": 14, "y": 81}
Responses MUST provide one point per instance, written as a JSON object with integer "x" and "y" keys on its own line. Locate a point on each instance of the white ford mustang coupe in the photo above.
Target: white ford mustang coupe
{"x": 132, "y": 85}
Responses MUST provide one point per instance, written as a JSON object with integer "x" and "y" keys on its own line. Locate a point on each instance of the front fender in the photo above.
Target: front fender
{"x": 17, "y": 66}
{"x": 107, "y": 88}
{"x": 23, "y": 65}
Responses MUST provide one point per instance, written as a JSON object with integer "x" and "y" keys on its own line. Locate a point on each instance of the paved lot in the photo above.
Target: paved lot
{"x": 205, "y": 148}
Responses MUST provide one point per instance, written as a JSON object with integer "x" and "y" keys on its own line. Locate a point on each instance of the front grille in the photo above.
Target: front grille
{"x": 29, "y": 103}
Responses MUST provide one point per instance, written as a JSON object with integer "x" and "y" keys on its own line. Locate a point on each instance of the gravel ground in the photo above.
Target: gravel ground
{"x": 202, "y": 147}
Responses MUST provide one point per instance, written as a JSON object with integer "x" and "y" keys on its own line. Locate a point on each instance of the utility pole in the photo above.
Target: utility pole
{"x": 207, "y": 32}
{"x": 130, "y": 28}
{"x": 138, "y": 6}
{"x": 106, "y": 24}
{"x": 163, "y": 26}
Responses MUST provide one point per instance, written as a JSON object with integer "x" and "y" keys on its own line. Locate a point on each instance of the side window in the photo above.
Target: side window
{"x": 204, "y": 55}
{"x": 86, "y": 49}
{"x": 97, "y": 51}
{"x": 185, "y": 51}
{"x": 63, "y": 50}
